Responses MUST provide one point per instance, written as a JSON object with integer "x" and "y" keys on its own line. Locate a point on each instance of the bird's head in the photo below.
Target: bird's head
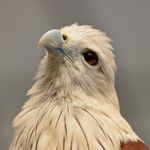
{"x": 78, "y": 56}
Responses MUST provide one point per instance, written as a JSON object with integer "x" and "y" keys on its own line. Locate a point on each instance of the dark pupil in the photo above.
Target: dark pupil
{"x": 91, "y": 58}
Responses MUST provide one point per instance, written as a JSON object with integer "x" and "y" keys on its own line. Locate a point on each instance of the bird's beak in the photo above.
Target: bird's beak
{"x": 53, "y": 42}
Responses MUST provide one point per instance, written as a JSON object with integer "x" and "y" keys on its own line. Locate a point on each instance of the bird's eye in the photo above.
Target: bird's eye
{"x": 65, "y": 38}
{"x": 90, "y": 57}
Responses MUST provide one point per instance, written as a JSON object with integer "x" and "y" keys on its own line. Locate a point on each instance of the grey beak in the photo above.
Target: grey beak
{"x": 51, "y": 38}
{"x": 53, "y": 42}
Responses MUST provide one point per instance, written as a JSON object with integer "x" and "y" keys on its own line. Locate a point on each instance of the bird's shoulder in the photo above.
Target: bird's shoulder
{"x": 134, "y": 145}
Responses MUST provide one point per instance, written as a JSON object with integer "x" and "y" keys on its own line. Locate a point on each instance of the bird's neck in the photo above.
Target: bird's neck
{"x": 53, "y": 98}
{"x": 59, "y": 85}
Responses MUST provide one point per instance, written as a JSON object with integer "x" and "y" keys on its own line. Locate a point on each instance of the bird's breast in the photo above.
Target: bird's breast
{"x": 66, "y": 127}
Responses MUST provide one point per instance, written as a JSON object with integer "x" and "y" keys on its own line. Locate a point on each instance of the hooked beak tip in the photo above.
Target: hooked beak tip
{"x": 53, "y": 41}
{"x": 52, "y": 38}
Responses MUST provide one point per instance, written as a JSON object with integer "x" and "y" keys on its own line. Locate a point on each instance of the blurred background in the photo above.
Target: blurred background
{"x": 23, "y": 22}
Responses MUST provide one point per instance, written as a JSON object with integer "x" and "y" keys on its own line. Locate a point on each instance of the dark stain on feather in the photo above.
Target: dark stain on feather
{"x": 26, "y": 112}
{"x": 82, "y": 131}
{"x": 19, "y": 137}
{"x": 65, "y": 125}
{"x": 106, "y": 135}
{"x": 95, "y": 121}
{"x": 31, "y": 146}
{"x": 64, "y": 143}
{"x": 27, "y": 137}
{"x": 57, "y": 147}
{"x": 71, "y": 143}
{"x": 31, "y": 134}
{"x": 100, "y": 144}
{"x": 38, "y": 122}
{"x": 37, "y": 141}
{"x": 58, "y": 118}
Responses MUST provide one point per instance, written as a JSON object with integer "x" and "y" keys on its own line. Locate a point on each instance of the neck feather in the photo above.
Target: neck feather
{"x": 52, "y": 82}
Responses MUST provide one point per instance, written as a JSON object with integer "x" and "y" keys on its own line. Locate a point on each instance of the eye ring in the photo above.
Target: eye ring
{"x": 65, "y": 38}
{"x": 90, "y": 57}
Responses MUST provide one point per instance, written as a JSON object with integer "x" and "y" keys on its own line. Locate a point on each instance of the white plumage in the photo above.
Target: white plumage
{"x": 73, "y": 105}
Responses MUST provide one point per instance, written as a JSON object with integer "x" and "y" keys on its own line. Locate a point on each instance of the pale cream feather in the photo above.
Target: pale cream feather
{"x": 70, "y": 109}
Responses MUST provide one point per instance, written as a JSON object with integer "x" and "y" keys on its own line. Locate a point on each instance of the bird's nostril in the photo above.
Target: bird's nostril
{"x": 64, "y": 37}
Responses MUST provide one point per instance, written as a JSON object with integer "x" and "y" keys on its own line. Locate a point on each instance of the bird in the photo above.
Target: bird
{"x": 73, "y": 104}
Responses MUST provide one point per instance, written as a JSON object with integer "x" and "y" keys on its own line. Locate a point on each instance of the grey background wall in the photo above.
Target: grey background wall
{"x": 126, "y": 22}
